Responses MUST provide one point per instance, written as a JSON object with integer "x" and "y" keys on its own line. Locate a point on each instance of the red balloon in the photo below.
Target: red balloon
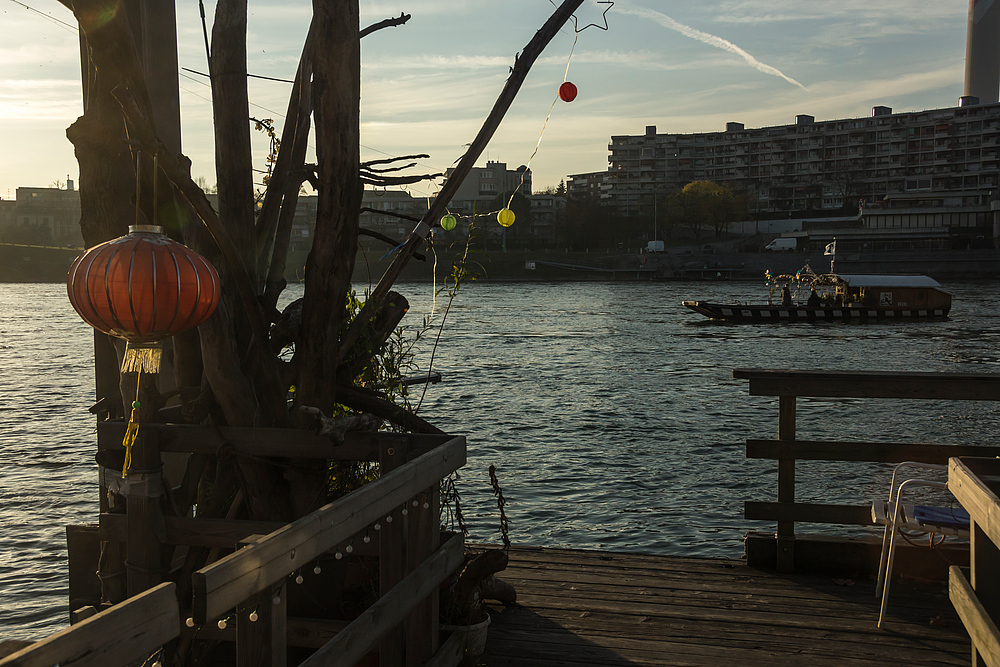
{"x": 567, "y": 92}
{"x": 143, "y": 287}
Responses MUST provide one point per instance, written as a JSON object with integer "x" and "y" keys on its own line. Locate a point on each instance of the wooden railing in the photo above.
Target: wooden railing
{"x": 247, "y": 587}
{"x": 124, "y": 634}
{"x": 975, "y": 483}
{"x": 788, "y": 385}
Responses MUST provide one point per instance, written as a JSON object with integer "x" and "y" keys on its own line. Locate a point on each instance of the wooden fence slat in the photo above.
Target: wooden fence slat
{"x": 451, "y": 652}
{"x": 222, "y": 585}
{"x": 220, "y": 533}
{"x": 392, "y": 556}
{"x": 363, "y": 634}
{"x": 858, "y": 515}
{"x": 979, "y": 625}
{"x": 873, "y": 452}
{"x": 357, "y": 446}
{"x": 127, "y": 632}
{"x": 423, "y": 539}
{"x": 975, "y": 497}
{"x": 853, "y": 384}
{"x": 214, "y": 533}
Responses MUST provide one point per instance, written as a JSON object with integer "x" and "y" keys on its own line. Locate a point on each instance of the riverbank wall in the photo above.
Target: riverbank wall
{"x": 22, "y": 263}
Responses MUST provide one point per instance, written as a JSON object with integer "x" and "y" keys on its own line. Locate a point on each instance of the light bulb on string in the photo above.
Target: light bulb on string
{"x": 253, "y": 616}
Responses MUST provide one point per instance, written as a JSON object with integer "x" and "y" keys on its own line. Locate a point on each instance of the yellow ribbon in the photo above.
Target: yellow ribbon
{"x": 132, "y": 431}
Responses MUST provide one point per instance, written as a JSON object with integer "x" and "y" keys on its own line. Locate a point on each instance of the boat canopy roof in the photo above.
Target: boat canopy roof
{"x": 875, "y": 280}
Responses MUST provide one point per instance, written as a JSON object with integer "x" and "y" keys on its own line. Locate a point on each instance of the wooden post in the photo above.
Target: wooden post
{"x": 263, "y": 642}
{"x": 392, "y": 561}
{"x": 146, "y": 527}
{"x": 786, "y": 486}
{"x": 158, "y": 51}
{"x": 111, "y": 565}
{"x": 423, "y": 539}
{"x": 984, "y": 558}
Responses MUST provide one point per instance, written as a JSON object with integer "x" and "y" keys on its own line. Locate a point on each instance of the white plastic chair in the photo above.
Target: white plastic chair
{"x": 896, "y": 515}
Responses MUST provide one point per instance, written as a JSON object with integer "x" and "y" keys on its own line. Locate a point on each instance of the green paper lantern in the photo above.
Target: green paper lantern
{"x": 505, "y": 217}
{"x": 448, "y": 222}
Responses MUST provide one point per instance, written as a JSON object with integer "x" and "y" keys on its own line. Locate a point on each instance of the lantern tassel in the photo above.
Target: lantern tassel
{"x": 142, "y": 358}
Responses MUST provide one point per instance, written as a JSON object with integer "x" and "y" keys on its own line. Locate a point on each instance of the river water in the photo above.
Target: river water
{"x": 609, "y": 410}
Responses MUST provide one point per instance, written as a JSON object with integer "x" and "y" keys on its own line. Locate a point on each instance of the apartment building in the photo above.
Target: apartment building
{"x": 944, "y": 158}
{"x": 593, "y": 186}
{"x": 43, "y": 216}
{"x": 483, "y": 184}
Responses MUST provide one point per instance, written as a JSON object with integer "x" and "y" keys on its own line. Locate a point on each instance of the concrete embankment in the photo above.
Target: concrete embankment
{"x": 543, "y": 266}
{"x": 19, "y": 263}
{"x": 35, "y": 264}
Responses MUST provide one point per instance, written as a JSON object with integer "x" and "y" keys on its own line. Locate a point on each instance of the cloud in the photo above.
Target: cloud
{"x": 706, "y": 38}
{"x": 898, "y": 12}
{"x": 40, "y": 99}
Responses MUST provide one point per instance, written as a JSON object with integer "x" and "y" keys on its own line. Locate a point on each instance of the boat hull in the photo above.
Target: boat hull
{"x": 766, "y": 313}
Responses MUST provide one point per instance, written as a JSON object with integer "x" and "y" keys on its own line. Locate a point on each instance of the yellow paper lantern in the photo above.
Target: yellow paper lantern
{"x": 505, "y": 217}
{"x": 448, "y": 222}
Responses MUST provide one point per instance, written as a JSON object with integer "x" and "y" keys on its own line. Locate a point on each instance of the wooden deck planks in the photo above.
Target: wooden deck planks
{"x": 581, "y": 608}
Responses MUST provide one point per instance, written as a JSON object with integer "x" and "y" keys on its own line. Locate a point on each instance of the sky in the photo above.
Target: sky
{"x": 428, "y": 86}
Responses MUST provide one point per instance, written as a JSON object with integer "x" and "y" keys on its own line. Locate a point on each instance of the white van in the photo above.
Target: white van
{"x": 780, "y": 245}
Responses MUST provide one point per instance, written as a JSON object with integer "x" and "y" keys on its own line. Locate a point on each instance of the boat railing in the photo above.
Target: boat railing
{"x": 779, "y": 550}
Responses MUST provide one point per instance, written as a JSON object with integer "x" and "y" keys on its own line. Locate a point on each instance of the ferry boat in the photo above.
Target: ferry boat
{"x": 838, "y": 297}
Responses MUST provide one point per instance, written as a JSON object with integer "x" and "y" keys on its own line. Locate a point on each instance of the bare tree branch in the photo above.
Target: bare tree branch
{"x": 519, "y": 72}
{"x": 390, "y": 160}
{"x": 386, "y": 170}
{"x": 375, "y": 179}
{"x": 385, "y": 23}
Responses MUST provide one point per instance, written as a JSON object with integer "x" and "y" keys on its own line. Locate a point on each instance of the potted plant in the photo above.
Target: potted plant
{"x": 463, "y": 603}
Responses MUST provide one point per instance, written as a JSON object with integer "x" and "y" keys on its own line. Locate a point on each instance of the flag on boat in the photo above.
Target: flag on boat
{"x": 831, "y": 248}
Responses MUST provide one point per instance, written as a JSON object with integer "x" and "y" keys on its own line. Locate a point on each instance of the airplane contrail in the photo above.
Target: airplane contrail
{"x": 706, "y": 38}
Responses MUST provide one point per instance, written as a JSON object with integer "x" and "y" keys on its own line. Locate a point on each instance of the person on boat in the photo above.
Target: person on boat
{"x": 814, "y": 300}
{"x": 786, "y": 296}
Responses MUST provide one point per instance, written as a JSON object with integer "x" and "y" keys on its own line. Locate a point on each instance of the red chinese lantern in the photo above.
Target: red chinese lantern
{"x": 567, "y": 92}
{"x": 143, "y": 287}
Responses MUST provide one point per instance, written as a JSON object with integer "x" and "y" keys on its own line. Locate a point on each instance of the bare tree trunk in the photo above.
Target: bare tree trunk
{"x": 233, "y": 165}
{"x": 107, "y": 176}
{"x": 283, "y": 186}
{"x": 336, "y": 100}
